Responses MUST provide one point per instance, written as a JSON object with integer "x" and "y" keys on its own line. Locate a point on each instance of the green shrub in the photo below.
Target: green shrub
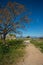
{"x": 0, "y": 42}
{"x": 37, "y": 44}
{"x": 11, "y": 51}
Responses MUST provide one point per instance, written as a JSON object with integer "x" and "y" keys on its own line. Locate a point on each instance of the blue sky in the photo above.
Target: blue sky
{"x": 36, "y": 7}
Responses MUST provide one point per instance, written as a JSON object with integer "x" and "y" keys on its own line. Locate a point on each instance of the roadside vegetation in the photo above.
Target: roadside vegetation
{"x": 38, "y": 43}
{"x": 11, "y": 52}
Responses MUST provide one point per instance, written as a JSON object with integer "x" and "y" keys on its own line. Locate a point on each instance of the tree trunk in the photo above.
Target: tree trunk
{"x": 4, "y": 36}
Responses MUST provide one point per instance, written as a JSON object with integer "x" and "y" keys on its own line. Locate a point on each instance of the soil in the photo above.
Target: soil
{"x": 33, "y": 56}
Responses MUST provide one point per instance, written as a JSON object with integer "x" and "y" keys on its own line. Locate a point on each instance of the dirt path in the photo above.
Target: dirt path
{"x": 33, "y": 56}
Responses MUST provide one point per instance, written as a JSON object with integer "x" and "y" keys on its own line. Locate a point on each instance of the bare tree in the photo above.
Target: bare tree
{"x": 13, "y": 18}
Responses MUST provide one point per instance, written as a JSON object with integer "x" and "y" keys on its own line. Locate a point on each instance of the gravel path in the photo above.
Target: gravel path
{"x": 32, "y": 57}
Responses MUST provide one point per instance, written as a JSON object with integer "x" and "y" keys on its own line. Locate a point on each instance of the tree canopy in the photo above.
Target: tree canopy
{"x": 13, "y": 18}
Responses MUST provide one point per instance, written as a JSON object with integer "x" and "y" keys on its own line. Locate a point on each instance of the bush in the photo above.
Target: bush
{"x": 11, "y": 51}
{"x": 37, "y": 44}
{"x": 0, "y": 42}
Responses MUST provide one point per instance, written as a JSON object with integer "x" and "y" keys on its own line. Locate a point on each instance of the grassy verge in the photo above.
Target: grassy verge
{"x": 38, "y": 44}
{"x": 11, "y": 52}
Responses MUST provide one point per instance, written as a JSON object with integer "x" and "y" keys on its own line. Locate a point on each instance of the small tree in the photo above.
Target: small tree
{"x": 28, "y": 37}
{"x": 13, "y": 18}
